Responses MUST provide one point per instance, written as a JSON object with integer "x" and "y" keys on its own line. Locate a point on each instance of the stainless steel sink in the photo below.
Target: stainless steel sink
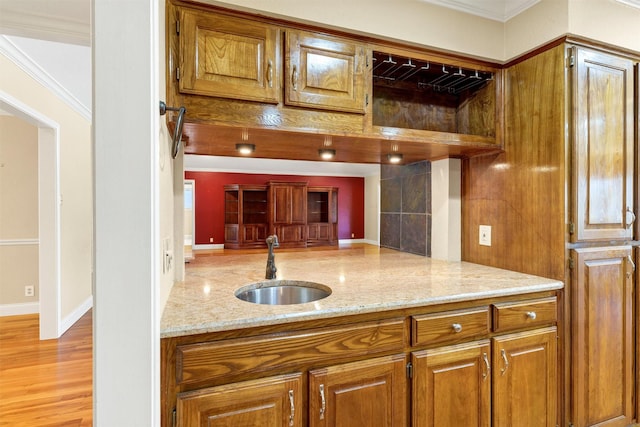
{"x": 283, "y": 292}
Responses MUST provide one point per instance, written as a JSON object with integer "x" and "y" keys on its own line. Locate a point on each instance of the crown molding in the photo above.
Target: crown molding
{"x": 17, "y": 56}
{"x": 489, "y": 10}
{"x": 42, "y": 26}
{"x": 632, "y": 3}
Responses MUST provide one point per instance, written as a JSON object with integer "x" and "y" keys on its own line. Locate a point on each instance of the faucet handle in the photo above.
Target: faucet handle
{"x": 273, "y": 241}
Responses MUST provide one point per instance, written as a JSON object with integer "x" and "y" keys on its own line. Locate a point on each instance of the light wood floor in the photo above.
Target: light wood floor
{"x": 45, "y": 383}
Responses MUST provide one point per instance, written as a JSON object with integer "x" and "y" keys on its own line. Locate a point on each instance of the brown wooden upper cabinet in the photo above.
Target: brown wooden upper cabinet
{"x": 325, "y": 72}
{"x": 603, "y": 146}
{"x": 229, "y": 57}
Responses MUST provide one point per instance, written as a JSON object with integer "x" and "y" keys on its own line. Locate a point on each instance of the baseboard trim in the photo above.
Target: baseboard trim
{"x": 75, "y": 315}
{"x": 349, "y": 241}
{"x": 206, "y": 247}
{"x": 19, "y": 309}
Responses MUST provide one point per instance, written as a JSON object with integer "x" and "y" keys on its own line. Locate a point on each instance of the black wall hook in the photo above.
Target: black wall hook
{"x": 177, "y": 132}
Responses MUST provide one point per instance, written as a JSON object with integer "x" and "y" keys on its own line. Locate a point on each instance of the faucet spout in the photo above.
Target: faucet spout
{"x": 272, "y": 242}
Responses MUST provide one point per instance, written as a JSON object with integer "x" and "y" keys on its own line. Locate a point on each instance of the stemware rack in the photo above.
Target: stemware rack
{"x": 454, "y": 80}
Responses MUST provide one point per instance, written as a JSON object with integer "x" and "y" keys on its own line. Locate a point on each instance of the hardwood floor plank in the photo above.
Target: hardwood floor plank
{"x": 45, "y": 383}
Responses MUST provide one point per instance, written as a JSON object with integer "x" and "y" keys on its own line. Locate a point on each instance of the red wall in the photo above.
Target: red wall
{"x": 209, "y": 201}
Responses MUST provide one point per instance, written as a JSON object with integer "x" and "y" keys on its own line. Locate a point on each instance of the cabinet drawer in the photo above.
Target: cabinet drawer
{"x": 211, "y": 360}
{"x": 524, "y": 314}
{"x": 449, "y": 326}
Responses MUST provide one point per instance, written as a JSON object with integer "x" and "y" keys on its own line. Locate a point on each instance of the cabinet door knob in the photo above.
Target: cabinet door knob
{"x": 457, "y": 327}
{"x": 531, "y": 315}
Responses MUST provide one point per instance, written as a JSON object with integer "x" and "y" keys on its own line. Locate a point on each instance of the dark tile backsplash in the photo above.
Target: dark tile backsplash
{"x": 405, "y": 207}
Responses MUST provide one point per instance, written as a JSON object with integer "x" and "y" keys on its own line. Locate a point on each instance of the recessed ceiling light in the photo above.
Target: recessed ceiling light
{"x": 245, "y": 149}
{"x": 394, "y": 157}
{"x": 327, "y": 153}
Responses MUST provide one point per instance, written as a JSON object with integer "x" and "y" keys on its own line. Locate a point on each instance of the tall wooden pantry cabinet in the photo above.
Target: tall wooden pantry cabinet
{"x": 561, "y": 201}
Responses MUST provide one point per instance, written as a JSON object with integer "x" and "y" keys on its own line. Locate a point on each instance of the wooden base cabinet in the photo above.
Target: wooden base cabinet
{"x": 603, "y": 348}
{"x": 510, "y": 381}
{"x": 525, "y": 379}
{"x": 267, "y": 402}
{"x": 490, "y": 364}
{"x": 452, "y": 386}
{"x": 371, "y": 393}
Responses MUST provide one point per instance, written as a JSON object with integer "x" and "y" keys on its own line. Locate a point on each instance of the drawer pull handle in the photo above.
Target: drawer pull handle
{"x": 633, "y": 217}
{"x": 485, "y": 374}
{"x": 457, "y": 327}
{"x": 293, "y": 408}
{"x": 531, "y": 315}
{"x": 270, "y": 73}
{"x": 294, "y": 78}
{"x": 324, "y": 403}
{"x": 503, "y": 370}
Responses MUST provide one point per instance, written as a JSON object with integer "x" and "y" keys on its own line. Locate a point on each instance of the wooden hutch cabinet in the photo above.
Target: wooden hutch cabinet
{"x": 298, "y": 214}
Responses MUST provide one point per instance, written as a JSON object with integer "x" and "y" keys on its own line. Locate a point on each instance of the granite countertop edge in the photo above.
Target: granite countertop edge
{"x": 205, "y": 301}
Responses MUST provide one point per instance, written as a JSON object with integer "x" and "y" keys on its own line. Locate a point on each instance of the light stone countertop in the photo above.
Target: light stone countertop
{"x": 363, "y": 279}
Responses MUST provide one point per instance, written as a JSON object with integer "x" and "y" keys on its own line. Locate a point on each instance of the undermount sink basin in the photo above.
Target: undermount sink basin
{"x": 283, "y": 292}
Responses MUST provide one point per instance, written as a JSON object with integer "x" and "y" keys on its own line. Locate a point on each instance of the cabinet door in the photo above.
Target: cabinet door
{"x": 281, "y": 204}
{"x": 298, "y": 204}
{"x": 525, "y": 380}
{"x": 603, "y": 146}
{"x": 602, "y": 333}
{"x": 289, "y": 204}
{"x": 325, "y": 72}
{"x": 452, "y": 386}
{"x": 229, "y": 57}
{"x": 268, "y": 402}
{"x": 370, "y": 393}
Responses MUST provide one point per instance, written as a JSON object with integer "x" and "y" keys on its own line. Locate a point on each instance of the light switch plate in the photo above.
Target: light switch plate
{"x": 485, "y": 235}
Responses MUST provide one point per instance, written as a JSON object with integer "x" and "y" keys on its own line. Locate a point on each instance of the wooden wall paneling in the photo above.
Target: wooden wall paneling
{"x": 521, "y": 192}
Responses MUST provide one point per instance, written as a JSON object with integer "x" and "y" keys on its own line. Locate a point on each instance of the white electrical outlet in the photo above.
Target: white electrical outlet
{"x": 29, "y": 291}
{"x": 210, "y": 239}
{"x": 485, "y": 235}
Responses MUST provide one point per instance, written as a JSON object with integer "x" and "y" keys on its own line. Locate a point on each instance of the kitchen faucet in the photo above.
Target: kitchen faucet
{"x": 272, "y": 242}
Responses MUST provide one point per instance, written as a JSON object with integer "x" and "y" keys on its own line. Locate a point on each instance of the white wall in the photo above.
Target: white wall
{"x": 431, "y": 25}
{"x": 408, "y": 20}
{"x": 372, "y": 209}
{"x": 18, "y": 214}
{"x": 135, "y": 181}
{"x": 607, "y": 21}
{"x": 604, "y": 20}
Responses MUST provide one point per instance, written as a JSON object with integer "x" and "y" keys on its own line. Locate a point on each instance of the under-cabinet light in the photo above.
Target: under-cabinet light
{"x": 327, "y": 153}
{"x": 394, "y": 157}
{"x": 245, "y": 149}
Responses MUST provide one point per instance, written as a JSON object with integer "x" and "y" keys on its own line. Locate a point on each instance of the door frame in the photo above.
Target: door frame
{"x": 48, "y": 213}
